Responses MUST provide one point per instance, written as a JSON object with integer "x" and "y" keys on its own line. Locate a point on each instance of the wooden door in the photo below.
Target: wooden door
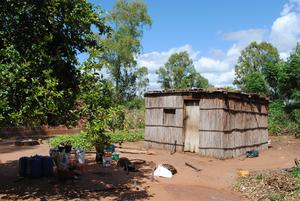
{"x": 191, "y": 126}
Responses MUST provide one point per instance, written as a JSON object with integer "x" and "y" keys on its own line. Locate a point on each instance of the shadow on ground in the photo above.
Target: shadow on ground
{"x": 96, "y": 183}
{"x": 8, "y": 146}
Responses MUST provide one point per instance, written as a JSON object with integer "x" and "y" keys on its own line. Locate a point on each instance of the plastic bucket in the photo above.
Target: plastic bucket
{"x": 47, "y": 166}
{"x": 115, "y": 156}
{"x": 35, "y": 167}
{"x": 23, "y": 166}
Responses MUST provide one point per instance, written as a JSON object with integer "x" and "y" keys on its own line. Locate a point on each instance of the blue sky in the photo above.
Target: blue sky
{"x": 214, "y": 32}
{"x": 201, "y": 23}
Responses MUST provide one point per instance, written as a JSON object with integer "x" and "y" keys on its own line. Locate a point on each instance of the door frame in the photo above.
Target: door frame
{"x": 185, "y": 99}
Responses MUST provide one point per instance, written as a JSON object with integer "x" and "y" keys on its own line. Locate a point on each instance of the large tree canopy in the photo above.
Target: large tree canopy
{"x": 258, "y": 58}
{"x": 260, "y": 70}
{"x": 128, "y": 19}
{"x": 179, "y": 72}
{"x": 289, "y": 79}
{"x": 39, "y": 44}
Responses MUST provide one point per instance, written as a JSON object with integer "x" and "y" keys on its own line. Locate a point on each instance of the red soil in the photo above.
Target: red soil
{"x": 213, "y": 182}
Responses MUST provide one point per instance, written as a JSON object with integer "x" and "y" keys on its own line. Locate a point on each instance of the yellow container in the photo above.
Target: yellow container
{"x": 243, "y": 173}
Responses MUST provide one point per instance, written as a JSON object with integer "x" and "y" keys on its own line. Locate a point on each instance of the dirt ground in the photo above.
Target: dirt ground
{"x": 213, "y": 183}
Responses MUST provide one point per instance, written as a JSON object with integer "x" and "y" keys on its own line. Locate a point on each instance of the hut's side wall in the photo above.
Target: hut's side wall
{"x": 229, "y": 127}
{"x": 245, "y": 127}
{"x": 164, "y": 122}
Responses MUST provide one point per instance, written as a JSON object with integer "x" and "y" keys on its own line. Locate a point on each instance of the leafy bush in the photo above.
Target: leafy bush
{"x": 123, "y": 136}
{"x": 118, "y": 120}
{"x": 277, "y": 117}
{"x": 96, "y": 127}
{"x": 280, "y": 122}
{"x": 82, "y": 141}
{"x": 136, "y": 103}
{"x": 78, "y": 141}
{"x": 296, "y": 172}
{"x": 134, "y": 119}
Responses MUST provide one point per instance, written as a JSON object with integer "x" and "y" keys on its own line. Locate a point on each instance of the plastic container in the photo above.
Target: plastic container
{"x": 110, "y": 148}
{"x": 23, "y": 166}
{"x": 243, "y": 173}
{"x": 47, "y": 166}
{"x": 107, "y": 160}
{"x": 115, "y": 156}
{"x": 35, "y": 167}
{"x": 80, "y": 156}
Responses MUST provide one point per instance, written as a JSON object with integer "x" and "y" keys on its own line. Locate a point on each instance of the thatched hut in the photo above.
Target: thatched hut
{"x": 216, "y": 123}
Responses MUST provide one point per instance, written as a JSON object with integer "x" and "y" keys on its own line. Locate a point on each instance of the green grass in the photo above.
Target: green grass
{"x": 123, "y": 136}
{"x": 80, "y": 140}
{"x": 259, "y": 177}
{"x": 296, "y": 172}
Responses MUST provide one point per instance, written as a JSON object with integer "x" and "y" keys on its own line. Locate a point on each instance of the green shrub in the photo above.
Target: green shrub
{"x": 280, "y": 122}
{"x": 78, "y": 141}
{"x": 134, "y": 119}
{"x": 83, "y": 141}
{"x": 296, "y": 172}
{"x": 259, "y": 177}
{"x": 123, "y": 136}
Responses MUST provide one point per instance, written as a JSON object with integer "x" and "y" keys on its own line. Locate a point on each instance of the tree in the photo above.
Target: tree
{"x": 255, "y": 83}
{"x": 142, "y": 80}
{"x": 39, "y": 43}
{"x": 179, "y": 72}
{"x": 128, "y": 19}
{"x": 260, "y": 70}
{"x": 290, "y": 79}
{"x": 96, "y": 104}
{"x": 258, "y": 58}
{"x": 290, "y": 76}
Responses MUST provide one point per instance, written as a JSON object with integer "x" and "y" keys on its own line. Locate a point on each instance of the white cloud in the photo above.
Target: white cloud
{"x": 244, "y": 37}
{"x": 285, "y": 31}
{"x": 218, "y": 67}
{"x": 220, "y": 79}
{"x": 210, "y": 65}
{"x": 217, "y": 70}
{"x": 154, "y": 60}
{"x": 216, "y": 54}
{"x": 292, "y": 5}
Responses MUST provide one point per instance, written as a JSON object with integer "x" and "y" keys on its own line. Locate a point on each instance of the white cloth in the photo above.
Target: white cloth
{"x": 161, "y": 171}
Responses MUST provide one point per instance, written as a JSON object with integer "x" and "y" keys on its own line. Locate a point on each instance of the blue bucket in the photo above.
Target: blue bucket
{"x": 47, "y": 166}
{"x": 35, "y": 167}
{"x": 23, "y": 166}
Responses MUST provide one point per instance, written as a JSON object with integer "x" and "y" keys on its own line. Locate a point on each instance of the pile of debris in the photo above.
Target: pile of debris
{"x": 269, "y": 185}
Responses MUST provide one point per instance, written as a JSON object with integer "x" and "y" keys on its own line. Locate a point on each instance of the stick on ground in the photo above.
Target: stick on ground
{"x": 195, "y": 168}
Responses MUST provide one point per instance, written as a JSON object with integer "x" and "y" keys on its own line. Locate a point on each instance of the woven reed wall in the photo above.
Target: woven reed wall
{"x": 163, "y": 129}
{"x": 228, "y": 125}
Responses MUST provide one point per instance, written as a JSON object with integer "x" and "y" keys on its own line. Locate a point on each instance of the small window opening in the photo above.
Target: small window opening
{"x": 169, "y": 116}
{"x": 170, "y": 111}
